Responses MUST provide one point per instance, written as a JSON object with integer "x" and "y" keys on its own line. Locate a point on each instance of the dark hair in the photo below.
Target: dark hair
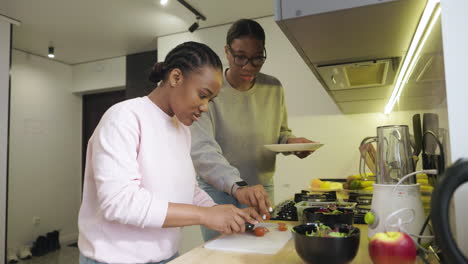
{"x": 187, "y": 57}
{"x": 245, "y": 27}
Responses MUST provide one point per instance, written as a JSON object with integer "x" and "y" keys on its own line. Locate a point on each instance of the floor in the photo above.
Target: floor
{"x": 66, "y": 255}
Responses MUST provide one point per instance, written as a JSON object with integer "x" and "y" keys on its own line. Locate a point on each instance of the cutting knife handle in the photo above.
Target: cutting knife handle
{"x": 249, "y": 227}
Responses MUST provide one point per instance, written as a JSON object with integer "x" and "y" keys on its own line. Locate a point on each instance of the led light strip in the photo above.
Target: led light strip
{"x": 425, "y": 26}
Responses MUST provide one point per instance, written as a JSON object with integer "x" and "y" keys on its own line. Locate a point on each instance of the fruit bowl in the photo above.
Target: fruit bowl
{"x": 325, "y": 249}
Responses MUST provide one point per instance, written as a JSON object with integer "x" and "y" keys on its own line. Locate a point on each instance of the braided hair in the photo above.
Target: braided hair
{"x": 245, "y": 27}
{"x": 187, "y": 57}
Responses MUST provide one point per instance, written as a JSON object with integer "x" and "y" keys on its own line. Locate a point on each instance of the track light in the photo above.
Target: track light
{"x": 194, "y": 26}
{"x": 163, "y": 2}
{"x": 197, "y": 14}
{"x": 51, "y": 52}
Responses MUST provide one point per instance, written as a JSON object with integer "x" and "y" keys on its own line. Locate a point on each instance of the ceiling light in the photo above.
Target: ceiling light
{"x": 426, "y": 24}
{"x": 197, "y": 14}
{"x": 51, "y": 53}
{"x": 163, "y": 2}
{"x": 194, "y": 26}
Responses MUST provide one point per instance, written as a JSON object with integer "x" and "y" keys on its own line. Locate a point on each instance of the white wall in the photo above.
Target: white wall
{"x": 4, "y": 108}
{"x": 312, "y": 114}
{"x": 45, "y": 150}
{"x": 455, "y": 40}
{"x": 99, "y": 76}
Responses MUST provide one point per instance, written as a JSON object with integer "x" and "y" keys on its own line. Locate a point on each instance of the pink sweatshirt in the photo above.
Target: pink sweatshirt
{"x": 138, "y": 160}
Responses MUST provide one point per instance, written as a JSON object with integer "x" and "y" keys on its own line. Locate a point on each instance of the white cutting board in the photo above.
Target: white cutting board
{"x": 270, "y": 243}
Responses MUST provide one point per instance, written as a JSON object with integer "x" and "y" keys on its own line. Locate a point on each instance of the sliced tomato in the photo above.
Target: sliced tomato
{"x": 261, "y": 231}
{"x": 282, "y": 228}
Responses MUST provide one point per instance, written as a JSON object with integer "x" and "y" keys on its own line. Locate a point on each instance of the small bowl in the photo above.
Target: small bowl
{"x": 329, "y": 250}
{"x": 311, "y": 215}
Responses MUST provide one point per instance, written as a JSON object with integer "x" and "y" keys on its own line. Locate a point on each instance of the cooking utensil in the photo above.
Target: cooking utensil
{"x": 417, "y": 132}
{"x": 247, "y": 242}
{"x": 430, "y": 123}
{"x": 369, "y": 154}
{"x": 250, "y": 227}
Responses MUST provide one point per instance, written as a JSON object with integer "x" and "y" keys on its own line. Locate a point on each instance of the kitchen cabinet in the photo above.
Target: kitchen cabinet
{"x": 355, "y": 49}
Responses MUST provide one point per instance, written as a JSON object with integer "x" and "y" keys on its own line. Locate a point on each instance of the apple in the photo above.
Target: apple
{"x": 392, "y": 247}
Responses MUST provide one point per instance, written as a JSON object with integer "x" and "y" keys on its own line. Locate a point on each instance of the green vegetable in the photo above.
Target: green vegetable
{"x": 334, "y": 212}
{"x": 337, "y": 234}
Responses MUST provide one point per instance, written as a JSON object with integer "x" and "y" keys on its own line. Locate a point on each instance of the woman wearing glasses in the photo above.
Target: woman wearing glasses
{"x": 249, "y": 112}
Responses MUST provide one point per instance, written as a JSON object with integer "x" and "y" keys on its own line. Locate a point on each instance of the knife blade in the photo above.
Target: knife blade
{"x": 250, "y": 227}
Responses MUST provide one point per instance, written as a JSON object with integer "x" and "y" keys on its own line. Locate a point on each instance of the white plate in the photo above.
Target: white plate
{"x": 293, "y": 147}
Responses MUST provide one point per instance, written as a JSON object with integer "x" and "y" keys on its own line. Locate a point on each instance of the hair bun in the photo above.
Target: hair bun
{"x": 157, "y": 73}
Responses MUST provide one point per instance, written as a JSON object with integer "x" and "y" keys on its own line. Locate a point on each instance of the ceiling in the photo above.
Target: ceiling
{"x": 90, "y": 30}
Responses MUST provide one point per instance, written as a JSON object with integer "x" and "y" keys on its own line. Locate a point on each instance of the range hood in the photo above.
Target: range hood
{"x": 355, "y": 48}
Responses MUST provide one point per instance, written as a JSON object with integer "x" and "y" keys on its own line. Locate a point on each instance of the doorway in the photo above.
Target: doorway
{"x": 94, "y": 107}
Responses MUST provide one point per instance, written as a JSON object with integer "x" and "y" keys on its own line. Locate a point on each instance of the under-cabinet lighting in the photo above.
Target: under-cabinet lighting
{"x": 426, "y": 24}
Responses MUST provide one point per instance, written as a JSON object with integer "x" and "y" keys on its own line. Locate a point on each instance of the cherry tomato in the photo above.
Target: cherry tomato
{"x": 282, "y": 228}
{"x": 261, "y": 231}
{"x": 267, "y": 216}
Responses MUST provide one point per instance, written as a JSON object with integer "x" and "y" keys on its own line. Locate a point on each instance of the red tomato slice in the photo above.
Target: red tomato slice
{"x": 282, "y": 228}
{"x": 261, "y": 231}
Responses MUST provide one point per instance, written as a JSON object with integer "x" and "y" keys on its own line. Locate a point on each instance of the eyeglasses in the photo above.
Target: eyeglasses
{"x": 241, "y": 60}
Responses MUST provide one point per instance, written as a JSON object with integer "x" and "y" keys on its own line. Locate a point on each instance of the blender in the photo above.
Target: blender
{"x": 396, "y": 202}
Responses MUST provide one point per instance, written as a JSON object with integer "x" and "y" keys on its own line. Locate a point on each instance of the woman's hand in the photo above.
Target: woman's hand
{"x": 300, "y": 154}
{"x": 254, "y": 213}
{"x": 254, "y": 196}
{"x": 226, "y": 218}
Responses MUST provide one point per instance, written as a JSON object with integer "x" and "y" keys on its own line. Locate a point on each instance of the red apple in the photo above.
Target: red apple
{"x": 392, "y": 247}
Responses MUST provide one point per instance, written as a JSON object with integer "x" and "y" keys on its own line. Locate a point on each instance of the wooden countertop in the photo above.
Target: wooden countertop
{"x": 287, "y": 255}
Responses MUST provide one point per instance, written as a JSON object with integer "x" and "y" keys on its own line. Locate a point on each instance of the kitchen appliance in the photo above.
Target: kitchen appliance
{"x": 396, "y": 201}
{"x": 396, "y": 208}
{"x": 447, "y": 184}
{"x": 394, "y": 157}
{"x": 432, "y": 159}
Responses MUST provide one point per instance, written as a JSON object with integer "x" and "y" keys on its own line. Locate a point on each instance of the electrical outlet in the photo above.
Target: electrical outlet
{"x": 36, "y": 220}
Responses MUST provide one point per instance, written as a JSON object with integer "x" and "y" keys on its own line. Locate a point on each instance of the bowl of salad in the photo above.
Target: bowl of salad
{"x": 329, "y": 215}
{"x": 319, "y": 243}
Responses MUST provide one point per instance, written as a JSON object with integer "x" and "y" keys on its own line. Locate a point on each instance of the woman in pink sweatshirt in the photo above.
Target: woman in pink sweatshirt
{"x": 140, "y": 185}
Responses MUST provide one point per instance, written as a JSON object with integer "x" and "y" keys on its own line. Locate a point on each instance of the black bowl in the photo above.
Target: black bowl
{"x": 311, "y": 215}
{"x": 329, "y": 250}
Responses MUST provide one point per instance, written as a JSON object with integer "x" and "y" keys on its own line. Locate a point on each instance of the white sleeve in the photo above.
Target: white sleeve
{"x": 115, "y": 169}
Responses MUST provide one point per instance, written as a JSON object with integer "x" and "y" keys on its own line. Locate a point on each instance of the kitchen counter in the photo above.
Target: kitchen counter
{"x": 287, "y": 255}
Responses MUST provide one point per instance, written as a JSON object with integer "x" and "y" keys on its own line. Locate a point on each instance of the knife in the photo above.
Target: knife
{"x": 250, "y": 227}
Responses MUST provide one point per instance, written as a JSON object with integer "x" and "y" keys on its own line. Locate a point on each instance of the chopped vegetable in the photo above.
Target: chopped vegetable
{"x": 261, "y": 231}
{"x": 326, "y": 231}
{"x": 282, "y": 227}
